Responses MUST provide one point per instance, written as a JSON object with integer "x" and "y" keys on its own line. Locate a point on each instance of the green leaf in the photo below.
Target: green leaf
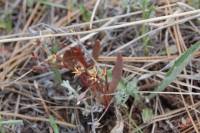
{"x": 132, "y": 90}
{"x": 122, "y": 95}
{"x": 2, "y": 24}
{"x": 30, "y": 3}
{"x": 108, "y": 73}
{"x": 2, "y": 129}
{"x": 147, "y": 114}
{"x": 54, "y": 48}
{"x": 6, "y": 23}
{"x": 85, "y": 13}
{"x": 194, "y": 3}
{"x": 127, "y": 89}
{"x": 57, "y": 75}
{"x": 53, "y": 124}
{"x": 177, "y": 68}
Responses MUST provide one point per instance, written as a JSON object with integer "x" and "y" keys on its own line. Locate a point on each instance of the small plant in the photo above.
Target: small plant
{"x": 127, "y": 89}
{"x": 6, "y": 22}
{"x": 52, "y": 64}
{"x": 85, "y": 70}
{"x": 176, "y": 69}
{"x": 53, "y": 124}
{"x": 86, "y": 15}
{"x": 147, "y": 10}
{"x": 147, "y": 114}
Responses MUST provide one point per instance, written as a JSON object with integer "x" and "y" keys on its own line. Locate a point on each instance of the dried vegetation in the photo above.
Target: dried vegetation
{"x": 115, "y": 66}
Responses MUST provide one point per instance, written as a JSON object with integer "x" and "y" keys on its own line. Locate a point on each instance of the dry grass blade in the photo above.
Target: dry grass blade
{"x": 31, "y": 118}
{"x": 103, "y": 28}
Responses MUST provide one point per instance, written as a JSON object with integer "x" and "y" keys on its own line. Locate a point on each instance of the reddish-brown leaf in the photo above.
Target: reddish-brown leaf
{"x": 69, "y": 58}
{"x": 116, "y": 74}
{"x": 116, "y": 77}
{"x": 74, "y": 56}
{"x": 85, "y": 80}
{"x": 34, "y": 56}
{"x": 39, "y": 69}
{"x": 96, "y": 49}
